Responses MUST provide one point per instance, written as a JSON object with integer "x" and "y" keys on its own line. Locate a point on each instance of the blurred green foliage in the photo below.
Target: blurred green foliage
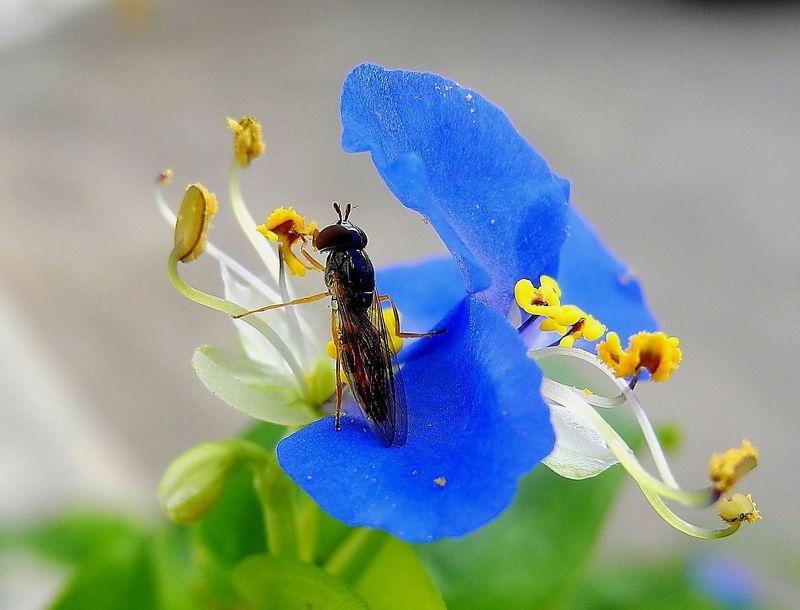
{"x": 535, "y": 555}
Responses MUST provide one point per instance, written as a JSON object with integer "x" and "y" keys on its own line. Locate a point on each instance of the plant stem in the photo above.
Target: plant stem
{"x": 308, "y": 517}
{"x": 350, "y": 559}
{"x": 276, "y": 494}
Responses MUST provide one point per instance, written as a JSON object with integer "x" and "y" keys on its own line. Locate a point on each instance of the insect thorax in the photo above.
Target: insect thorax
{"x": 352, "y": 272}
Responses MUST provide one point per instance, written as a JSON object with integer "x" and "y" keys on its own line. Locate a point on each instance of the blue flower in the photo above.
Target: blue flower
{"x": 477, "y": 420}
{"x": 724, "y": 580}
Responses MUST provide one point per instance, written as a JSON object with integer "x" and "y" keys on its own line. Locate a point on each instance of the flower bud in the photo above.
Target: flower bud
{"x": 194, "y": 482}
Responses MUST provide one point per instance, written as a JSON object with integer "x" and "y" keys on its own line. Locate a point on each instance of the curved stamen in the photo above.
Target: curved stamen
{"x": 626, "y": 395}
{"x": 684, "y": 526}
{"x": 231, "y": 263}
{"x": 291, "y": 312}
{"x": 248, "y": 225}
{"x": 650, "y": 436}
{"x": 569, "y": 398}
{"x": 308, "y": 335}
{"x": 214, "y": 302}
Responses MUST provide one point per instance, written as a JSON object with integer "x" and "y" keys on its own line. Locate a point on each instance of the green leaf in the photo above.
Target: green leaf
{"x": 655, "y": 586}
{"x": 269, "y": 582}
{"x": 250, "y": 388}
{"x": 75, "y": 536}
{"x": 533, "y": 553}
{"x": 396, "y": 580}
{"x": 120, "y": 578}
{"x": 171, "y": 556}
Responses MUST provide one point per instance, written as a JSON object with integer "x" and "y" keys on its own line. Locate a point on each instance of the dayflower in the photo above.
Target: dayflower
{"x": 447, "y": 153}
{"x": 479, "y": 409}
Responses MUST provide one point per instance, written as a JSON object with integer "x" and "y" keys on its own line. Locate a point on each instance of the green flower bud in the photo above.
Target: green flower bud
{"x": 194, "y": 482}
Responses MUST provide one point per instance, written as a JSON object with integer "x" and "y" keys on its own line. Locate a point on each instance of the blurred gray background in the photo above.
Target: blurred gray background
{"x": 677, "y": 125}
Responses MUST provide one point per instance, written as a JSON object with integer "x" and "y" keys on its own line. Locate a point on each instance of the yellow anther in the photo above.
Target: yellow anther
{"x": 567, "y": 320}
{"x": 587, "y": 327}
{"x": 611, "y": 353}
{"x": 738, "y": 508}
{"x": 656, "y": 352}
{"x": 532, "y": 299}
{"x": 247, "y": 141}
{"x": 549, "y": 324}
{"x": 287, "y": 227}
{"x": 725, "y": 469}
{"x": 193, "y": 223}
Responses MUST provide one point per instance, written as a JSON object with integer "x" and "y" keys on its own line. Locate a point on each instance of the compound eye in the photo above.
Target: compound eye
{"x": 332, "y": 237}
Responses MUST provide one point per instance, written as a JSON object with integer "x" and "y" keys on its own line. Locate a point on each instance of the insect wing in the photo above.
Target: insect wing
{"x": 371, "y": 368}
{"x": 396, "y": 397}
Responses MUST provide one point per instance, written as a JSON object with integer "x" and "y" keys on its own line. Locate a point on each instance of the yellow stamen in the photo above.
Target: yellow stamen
{"x": 287, "y": 227}
{"x": 247, "y": 141}
{"x": 567, "y": 320}
{"x": 193, "y": 223}
{"x": 738, "y": 508}
{"x": 530, "y": 298}
{"x": 586, "y": 327}
{"x": 611, "y": 353}
{"x": 656, "y": 352}
{"x": 727, "y": 468}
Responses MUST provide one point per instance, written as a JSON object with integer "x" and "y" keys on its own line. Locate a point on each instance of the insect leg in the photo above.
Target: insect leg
{"x": 309, "y": 299}
{"x": 312, "y": 261}
{"x": 383, "y": 298}
{"x": 335, "y": 335}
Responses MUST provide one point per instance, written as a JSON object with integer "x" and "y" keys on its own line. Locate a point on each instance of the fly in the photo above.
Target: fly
{"x": 363, "y": 349}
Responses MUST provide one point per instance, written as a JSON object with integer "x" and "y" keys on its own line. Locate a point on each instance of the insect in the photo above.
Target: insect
{"x": 363, "y": 349}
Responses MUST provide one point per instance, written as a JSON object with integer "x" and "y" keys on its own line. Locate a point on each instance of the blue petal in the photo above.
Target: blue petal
{"x": 453, "y": 156}
{"x": 475, "y": 418}
{"x": 724, "y": 580}
{"x": 593, "y": 278}
{"x": 424, "y": 292}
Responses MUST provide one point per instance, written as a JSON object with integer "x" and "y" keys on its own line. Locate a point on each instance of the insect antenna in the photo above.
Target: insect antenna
{"x": 338, "y": 211}
{"x": 347, "y": 209}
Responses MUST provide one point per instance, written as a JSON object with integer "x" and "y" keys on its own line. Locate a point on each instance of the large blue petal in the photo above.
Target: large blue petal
{"x": 593, "y": 278}
{"x": 448, "y": 153}
{"x": 475, "y": 419}
{"x": 424, "y": 292}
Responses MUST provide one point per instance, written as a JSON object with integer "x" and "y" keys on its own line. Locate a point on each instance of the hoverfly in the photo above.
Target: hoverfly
{"x": 363, "y": 349}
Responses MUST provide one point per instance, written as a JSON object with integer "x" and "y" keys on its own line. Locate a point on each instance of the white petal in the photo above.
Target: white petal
{"x": 261, "y": 392}
{"x": 580, "y": 451}
{"x": 255, "y": 345}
